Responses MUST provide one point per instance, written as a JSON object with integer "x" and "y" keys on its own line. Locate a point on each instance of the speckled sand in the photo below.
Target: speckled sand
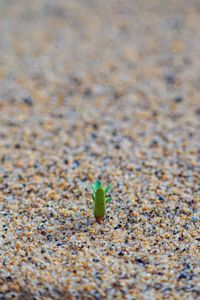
{"x": 106, "y": 89}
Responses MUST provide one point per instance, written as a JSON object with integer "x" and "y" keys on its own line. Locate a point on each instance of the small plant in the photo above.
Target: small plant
{"x": 100, "y": 200}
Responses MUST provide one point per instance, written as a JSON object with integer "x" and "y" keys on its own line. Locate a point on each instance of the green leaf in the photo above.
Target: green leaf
{"x": 108, "y": 189}
{"x": 96, "y": 185}
{"x": 93, "y": 197}
{"x": 108, "y": 200}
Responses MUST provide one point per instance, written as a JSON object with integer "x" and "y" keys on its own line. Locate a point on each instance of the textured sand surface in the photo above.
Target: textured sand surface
{"x": 110, "y": 90}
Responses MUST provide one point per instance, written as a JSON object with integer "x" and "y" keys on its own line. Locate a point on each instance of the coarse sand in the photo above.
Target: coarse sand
{"x": 108, "y": 90}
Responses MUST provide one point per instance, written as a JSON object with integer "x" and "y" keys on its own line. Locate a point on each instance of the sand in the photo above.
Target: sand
{"x": 104, "y": 90}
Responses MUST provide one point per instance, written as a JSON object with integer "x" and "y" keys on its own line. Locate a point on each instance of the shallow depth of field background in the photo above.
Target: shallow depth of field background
{"x": 104, "y": 90}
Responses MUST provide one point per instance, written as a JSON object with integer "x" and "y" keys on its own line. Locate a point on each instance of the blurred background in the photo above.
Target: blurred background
{"x": 106, "y": 89}
{"x": 89, "y": 63}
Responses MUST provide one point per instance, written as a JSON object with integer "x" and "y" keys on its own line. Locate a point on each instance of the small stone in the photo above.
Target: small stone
{"x": 195, "y": 218}
{"x": 182, "y": 276}
{"x": 140, "y": 261}
{"x": 178, "y": 99}
{"x": 197, "y": 111}
{"x": 118, "y": 226}
{"x": 59, "y": 244}
{"x": 75, "y": 164}
{"x": 17, "y": 146}
{"x": 161, "y": 198}
{"x": 88, "y": 92}
{"x": 95, "y": 259}
{"x": 28, "y": 101}
{"x": 169, "y": 78}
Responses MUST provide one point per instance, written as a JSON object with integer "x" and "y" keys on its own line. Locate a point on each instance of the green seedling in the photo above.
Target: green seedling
{"x": 100, "y": 200}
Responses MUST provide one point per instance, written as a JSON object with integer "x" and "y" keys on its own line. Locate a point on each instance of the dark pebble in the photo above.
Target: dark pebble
{"x": 178, "y": 99}
{"x": 75, "y": 164}
{"x": 59, "y": 244}
{"x": 154, "y": 142}
{"x": 17, "y": 146}
{"x": 186, "y": 266}
{"x": 197, "y": 111}
{"x": 49, "y": 237}
{"x": 95, "y": 126}
{"x": 161, "y": 198}
{"x": 140, "y": 261}
{"x": 5, "y": 228}
{"x": 182, "y": 276}
{"x": 5, "y": 158}
{"x": 11, "y": 123}
{"x": 114, "y": 133}
{"x": 118, "y": 226}
{"x": 93, "y": 135}
{"x": 66, "y": 161}
{"x": 88, "y": 92}
{"x": 167, "y": 290}
{"x": 60, "y": 116}
{"x": 117, "y": 146}
{"x": 9, "y": 278}
{"x": 169, "y": 79}
{"x": 95, "y": 259}
{"x": 41, "y": 227}
{"x": 28, "y": 101}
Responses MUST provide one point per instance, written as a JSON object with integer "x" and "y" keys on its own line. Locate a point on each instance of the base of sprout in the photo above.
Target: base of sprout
{"x": 99, "y": 219}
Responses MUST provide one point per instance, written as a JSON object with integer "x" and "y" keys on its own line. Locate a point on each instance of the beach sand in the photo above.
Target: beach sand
{"x": 104, "y": 90}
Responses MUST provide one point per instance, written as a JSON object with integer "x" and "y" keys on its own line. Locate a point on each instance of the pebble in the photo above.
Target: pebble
{"x": 195, "y": 218}
{"x": 161, "y": 198}
{"x": 28, "y": 101}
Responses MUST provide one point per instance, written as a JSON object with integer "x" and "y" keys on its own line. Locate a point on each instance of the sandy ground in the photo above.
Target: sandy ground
{"x": 109, "y": 90}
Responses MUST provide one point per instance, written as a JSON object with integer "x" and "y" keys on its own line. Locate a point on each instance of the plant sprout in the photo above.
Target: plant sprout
{"x": 100, "y": 200}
